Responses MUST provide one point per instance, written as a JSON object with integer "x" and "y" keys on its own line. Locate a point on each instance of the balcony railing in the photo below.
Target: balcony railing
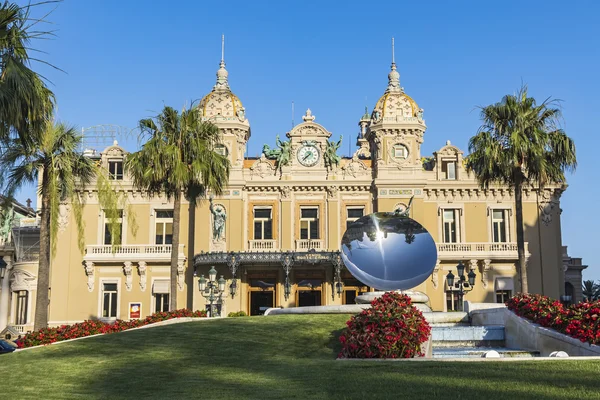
{"x": 262, "y": 245}
{"x": 308, "y": 244}
{"x": 480, "y": 250}
{"x": 131, "y": 252}
{"x": 23, "y": 328}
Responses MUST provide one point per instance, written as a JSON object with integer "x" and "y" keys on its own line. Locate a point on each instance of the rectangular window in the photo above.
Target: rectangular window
{"x": 499, "y": 226}
{"x": 109, "y": 300}
{"x": 353, "y": 214}
{"x": 309, "y": 223}
{"x": 451, "y": 170}
{"x": 263, "y": 224}
{"x": 161, "y": 302}
{"x": 450, "y": 226}
{"x": 21, "y": 309}
{"x": 453, "y": 301}
{"x": 164, "y": 226}
{"x": 399, "y": 151}
{"x": 117, "y": 219}
{"x": 502, "y": 296}
{"x": 115, "y": 169}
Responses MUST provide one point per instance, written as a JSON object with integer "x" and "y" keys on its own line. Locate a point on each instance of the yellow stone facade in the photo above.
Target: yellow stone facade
{"x": 468, "y": 223}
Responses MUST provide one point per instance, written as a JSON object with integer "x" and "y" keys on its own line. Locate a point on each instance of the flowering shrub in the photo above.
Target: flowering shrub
{"x": 94, "y": 327}
{"x": 580, "y": 321}
{"x": 237, "y": 314}
{"x": 391, "y": 328}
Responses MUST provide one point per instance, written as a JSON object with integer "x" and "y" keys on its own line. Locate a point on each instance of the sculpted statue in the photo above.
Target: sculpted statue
{"x": 282, "y": 154}
{"x": 219, "y": 217}
{"x": 6, "y": 218}
{"x": 376, "y": 115}
{"x": 330, "y": 157}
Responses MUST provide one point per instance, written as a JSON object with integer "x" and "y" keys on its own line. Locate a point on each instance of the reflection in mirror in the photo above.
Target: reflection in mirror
{"x": 388, "y": 251}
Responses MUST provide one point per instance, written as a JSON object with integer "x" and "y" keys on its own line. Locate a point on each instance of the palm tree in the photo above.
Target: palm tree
{"x": 591, "y": 290}
{"x": 178, "y": 159}
{"x": 25, "y": 101}
{"x": 521, "y": 143}
{"x": 60, "y": 165}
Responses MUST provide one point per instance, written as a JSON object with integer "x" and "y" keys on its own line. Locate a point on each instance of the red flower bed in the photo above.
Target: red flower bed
{"x": 580, "y": 321}
{"x": 391, "y": 328}
{"x": 94, "y": 327}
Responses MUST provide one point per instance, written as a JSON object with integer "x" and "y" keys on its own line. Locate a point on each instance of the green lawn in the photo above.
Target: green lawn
{"x": 280, "y": 357}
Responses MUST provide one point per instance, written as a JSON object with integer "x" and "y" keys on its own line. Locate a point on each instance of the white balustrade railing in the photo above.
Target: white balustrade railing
{"x": 128, "y": 251}
{"x": 262, "y": 245}
{"x": 486, "y": 248}
{"x": 308, "y": 244}
{"x": 22, "y": 328}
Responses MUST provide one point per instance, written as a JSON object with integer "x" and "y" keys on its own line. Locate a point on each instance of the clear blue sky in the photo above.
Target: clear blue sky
{"x": 125, "y": 59}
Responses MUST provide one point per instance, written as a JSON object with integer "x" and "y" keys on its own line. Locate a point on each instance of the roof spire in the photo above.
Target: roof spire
{"x": 393, "y": 76}
{"x": 223, "y": 48}
{"x": 222, "y": 73}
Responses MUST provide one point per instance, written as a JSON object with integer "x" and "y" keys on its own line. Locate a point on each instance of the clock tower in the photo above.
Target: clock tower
{"x": 308, "y": 143}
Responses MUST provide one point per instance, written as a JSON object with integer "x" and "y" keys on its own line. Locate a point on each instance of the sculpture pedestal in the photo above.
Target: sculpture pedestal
{"x": 419, "y": 299}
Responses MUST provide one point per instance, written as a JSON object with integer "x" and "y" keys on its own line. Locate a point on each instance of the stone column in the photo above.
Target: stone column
{"x": 5, "y": 294}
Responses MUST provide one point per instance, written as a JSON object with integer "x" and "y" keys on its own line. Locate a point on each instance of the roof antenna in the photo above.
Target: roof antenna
{"x": 393, "y": 57}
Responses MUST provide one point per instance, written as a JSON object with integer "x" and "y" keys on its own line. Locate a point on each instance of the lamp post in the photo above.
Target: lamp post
{"x": 212, "y": 288}
{"x": 464, "y": 284}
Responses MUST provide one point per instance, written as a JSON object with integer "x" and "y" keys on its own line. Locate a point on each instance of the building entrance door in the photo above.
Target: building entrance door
{"x": 261, "y": 294}
{"x": 352, "y": 288}
{"x": 261, "y": 301}
{"x": 309, "y": 288}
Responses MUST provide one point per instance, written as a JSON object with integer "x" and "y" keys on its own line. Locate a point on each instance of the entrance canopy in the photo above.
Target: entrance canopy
{"x": 286, "y": 259}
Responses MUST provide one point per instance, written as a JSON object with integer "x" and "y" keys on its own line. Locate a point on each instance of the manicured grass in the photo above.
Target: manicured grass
{"x": 280, "y": 357}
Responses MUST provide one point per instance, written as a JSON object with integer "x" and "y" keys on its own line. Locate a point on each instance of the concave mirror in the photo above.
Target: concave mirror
{"x": 388, "y": 251}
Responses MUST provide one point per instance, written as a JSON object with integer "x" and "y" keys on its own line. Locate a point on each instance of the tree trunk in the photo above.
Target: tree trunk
{"x": 521, "y": 236}
{"x": 175, "y": 252}
{"x": 42, "y": 300}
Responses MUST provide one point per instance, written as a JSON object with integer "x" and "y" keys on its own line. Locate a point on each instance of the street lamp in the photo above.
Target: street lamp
{"x": 464, "y": 284}
{"x": 212, "y": 288}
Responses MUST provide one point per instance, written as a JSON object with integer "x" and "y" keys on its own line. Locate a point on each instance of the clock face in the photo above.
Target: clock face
{"x": 308, "y": 155}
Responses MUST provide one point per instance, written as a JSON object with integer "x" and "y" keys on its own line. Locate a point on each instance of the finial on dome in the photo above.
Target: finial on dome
{"x": 222, "y": 73}
{"x": 308, "y": 117}
{"x": 394, "y": 76}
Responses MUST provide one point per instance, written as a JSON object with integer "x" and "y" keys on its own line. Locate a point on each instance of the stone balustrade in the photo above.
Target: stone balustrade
{"x": 479, "y": 250}
{"x": 131, "y": 252}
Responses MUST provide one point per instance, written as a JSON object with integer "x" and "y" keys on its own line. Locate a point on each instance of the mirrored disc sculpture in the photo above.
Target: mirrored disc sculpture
{"x": 388, "y": 251}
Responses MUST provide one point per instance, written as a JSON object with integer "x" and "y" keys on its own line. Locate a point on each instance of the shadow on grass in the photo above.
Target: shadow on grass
{"x": 271, "y": 357}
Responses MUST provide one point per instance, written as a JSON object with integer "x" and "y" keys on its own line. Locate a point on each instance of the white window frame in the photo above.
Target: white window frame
{"x": 402, "y": 147}
{"x": 157, "y": 220}
{"x": 352, "y": 219}
{"x": 101, "y": 282}
{"x": 508, "y": 212}
{"x": 104, "y": 220}
{"x": 262, "y": 221}
{"x": 110, "y": 173}
{"x": 447, "y": 164}
{"x": 311, "y": 220}
{"x": 13, "y": 307}
{"x": 450, "y": 289}
{"x": 459, "y": 218}
{"x": 222, "y": 150}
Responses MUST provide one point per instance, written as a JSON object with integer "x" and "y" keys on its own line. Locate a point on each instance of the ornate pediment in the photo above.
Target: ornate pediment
{"x": 308, "y": 129}
{"x": 262, "y": 168}
{"x": 21, "y": 280}
{"x": 355, "y": 168}
{"x": 114, "y": 151}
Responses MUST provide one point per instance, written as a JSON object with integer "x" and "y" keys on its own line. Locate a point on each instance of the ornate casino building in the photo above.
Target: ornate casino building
{"x": 275, "y": 233}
